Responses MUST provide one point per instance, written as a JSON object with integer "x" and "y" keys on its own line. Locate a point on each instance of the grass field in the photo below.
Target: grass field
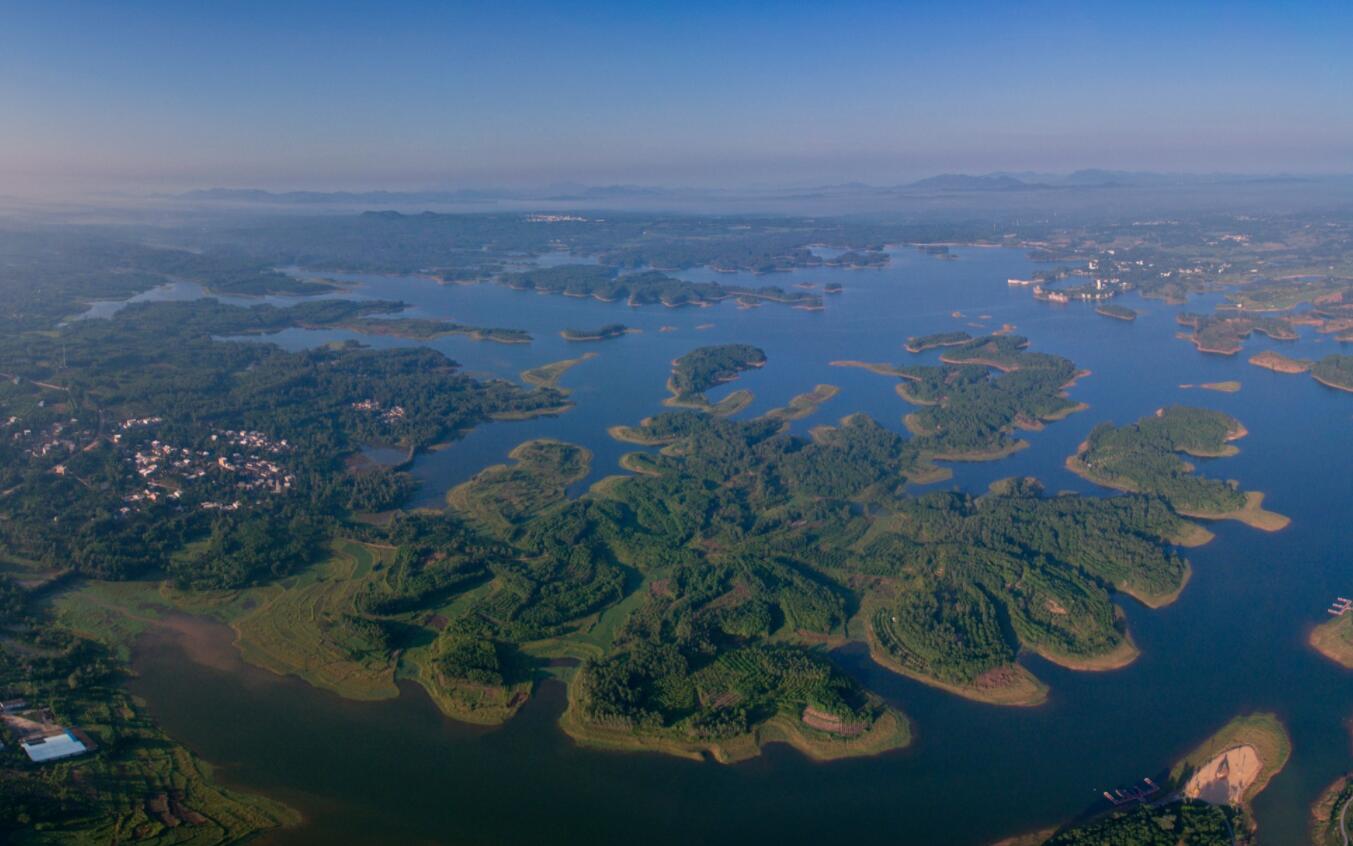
{"x": 290, "y": 627}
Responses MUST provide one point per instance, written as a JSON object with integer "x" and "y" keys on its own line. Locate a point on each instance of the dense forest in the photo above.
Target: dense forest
{"x": 1335, "y": 371}
{"x": 1194, "y": 823}
{"x": 1144, "y": 457}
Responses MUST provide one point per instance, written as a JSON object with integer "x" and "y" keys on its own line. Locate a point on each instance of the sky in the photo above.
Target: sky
{"x": 443, "y": 95}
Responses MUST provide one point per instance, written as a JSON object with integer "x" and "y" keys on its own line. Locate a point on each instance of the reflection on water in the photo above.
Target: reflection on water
{"x": 366, "y": 772}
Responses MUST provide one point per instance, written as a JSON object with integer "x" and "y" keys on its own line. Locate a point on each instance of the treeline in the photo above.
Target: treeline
{"x": 1171, "y": 824}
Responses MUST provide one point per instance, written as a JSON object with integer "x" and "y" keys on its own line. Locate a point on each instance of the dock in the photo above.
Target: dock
{"x": 1136, "y": 793}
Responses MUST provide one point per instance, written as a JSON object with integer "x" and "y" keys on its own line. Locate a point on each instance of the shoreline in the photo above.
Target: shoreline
{"x": 890, "y": 731}
{"x": 1022, "y": 689}
{"x": 1251, "y": 514}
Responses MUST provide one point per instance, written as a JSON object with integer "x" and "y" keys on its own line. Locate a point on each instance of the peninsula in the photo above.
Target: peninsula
{"x": 707, "y": 367}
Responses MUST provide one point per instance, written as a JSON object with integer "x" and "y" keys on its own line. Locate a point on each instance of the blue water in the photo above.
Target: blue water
{"x": 1234, "y": 642}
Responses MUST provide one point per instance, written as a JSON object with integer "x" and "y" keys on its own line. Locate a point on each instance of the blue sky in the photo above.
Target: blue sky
{"x": 448, "y": 94}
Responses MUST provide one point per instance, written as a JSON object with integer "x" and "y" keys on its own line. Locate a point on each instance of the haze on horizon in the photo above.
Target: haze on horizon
{"x": 162, "y": 96}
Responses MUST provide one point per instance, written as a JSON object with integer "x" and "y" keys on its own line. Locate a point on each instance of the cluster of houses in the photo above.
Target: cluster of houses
{"x": 555, "y": 218}
{"x": 54, "y": 440}
{"x": 165, "y": 468}
{"x": 389, "y": 415}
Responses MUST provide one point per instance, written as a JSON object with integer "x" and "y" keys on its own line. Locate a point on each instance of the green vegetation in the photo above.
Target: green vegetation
{"x": 609, "y": 284}
{"x": 1143, "y": 458}
{"x": 804, "y": 405}
{"x": 541, "y": 472}
{"x": 1334, "y": 639}
{"x": 1117, "y": 312}
{"x": 548, "y": 375}
{"x": 604, "y": 333}
{"x": 1172, "y": 824}
{"x": 1336, "y": 371}
{"x": 940, "y": 339}
{"x": 238, "y": 444}
{"x": 1226, "y": 334}
{"x": 969, "y": 414}
{"x": 707, "y": 367}
{"x": 1279, "y": 363}
{"x": 746, "y": 536}
{"x": 1329, "y": 821}
{"x": 137, "y": 784}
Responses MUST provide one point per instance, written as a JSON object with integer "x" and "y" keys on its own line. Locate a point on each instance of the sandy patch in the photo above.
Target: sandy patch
{"x": 1224, "y": 779}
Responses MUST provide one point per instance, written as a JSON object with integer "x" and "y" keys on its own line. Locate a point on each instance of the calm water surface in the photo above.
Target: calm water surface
{"x": 1234, "y": 642}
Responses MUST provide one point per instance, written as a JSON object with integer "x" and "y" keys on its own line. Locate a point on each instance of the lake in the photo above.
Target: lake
{"x": 397, "y": 771}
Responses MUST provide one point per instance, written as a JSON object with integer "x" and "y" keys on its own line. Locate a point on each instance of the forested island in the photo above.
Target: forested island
{"x": 1225, "y": 334}
{"x": 1279, "y": 363}
{"x": 1117, "y": 312}
{"x": 1144, "y": 458}
{"x": 610, "y": 284}
{"x": 707, "y": 367}
{"x": 967, "y": 413}
{"x": 1334, "y": 371}
{"x": 602, "y": 333}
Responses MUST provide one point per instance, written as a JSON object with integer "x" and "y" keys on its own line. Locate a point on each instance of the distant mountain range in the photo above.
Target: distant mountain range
{"x": 1090, "y": 178}
{"x": 574, "y": 193}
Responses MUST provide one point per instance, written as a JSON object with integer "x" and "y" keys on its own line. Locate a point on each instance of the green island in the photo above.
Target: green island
{"x": 1280, "y": 363}
{"x": 1117, "y": 312}
{"x": 967, "y": 413}
{"x": 603, "y": 333}
{"x": 421, "y": 329}
{"x": 781, "y": 561}
{"x": 1207, "y": 795}
{"x": 208, "y": 316}
{"x": 548, "y": 375}
{"x": 939, "y": 339}
{"x": 609, "y": 284}
{"x": 1144, "y": 458}
{"x": 1225, "y": 334}
{"x": 707, "y": 367}
{"x": 1334, "y": 639}
{"x": 804, "y": 405}
{"x": 1229, "y": 386}
{"x": 1334, "y": 371}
